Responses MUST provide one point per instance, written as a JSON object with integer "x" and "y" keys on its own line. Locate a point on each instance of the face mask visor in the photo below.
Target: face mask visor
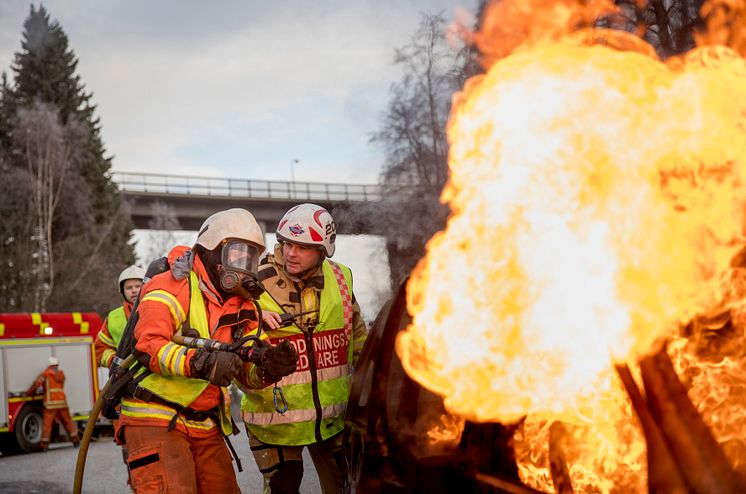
{"x": 240, "y": 256}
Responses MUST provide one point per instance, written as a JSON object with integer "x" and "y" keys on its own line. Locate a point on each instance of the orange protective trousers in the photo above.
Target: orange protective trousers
{"x": 64, "y": 416}
{"x": 166, "y": 461}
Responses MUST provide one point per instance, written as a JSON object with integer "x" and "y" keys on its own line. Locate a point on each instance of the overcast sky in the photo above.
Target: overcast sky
{"x": 237, "y": 88}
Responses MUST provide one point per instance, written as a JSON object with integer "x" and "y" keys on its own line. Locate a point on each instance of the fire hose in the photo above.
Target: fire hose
{"x": 255, "y": 353}
{"x": 90, "y": 425}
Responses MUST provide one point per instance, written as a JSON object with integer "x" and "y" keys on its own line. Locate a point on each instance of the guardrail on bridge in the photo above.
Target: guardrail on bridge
{"x": 235, "y": 187}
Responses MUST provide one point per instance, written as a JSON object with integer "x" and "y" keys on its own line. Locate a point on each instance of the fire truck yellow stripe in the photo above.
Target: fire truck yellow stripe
{"x": 37, "y": 321}
{"x": 78, "y": 319}
{"x": 46, "y": 341}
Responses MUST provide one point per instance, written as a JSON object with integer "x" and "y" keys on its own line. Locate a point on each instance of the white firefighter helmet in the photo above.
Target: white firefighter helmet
{"x": 130, "y": 273}
{"x": 244, "y": 239}
{"x": 53, "y": 361}
{"x": 232, "y": 223}
{"x": 308, "y": 224}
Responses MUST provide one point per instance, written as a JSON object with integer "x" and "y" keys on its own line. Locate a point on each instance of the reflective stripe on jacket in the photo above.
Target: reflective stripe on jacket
{"x": 171, "y": 359}
{"x": 317, "y": 392}
{"x": 108, "y": 337}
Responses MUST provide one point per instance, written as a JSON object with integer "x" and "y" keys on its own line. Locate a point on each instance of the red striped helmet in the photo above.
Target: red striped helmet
{"x": 308, "y": 224}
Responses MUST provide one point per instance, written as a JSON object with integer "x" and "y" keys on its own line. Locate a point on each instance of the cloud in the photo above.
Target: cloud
{"x": 194, "y": 87}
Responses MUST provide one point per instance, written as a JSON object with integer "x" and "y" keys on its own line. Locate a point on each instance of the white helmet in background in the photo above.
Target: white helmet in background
{"x": 236, "y": 224}
{"x": 130, "y": 273}
{"x": 53, "y": 361}
{"x": 308, "y": 224}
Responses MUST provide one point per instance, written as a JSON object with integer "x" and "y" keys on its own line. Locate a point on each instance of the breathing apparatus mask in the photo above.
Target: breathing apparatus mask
{"x": 239, "y": 261}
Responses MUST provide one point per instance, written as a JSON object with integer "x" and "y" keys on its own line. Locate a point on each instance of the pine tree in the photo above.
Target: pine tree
{"x": 45, "y": 70}
{"x": 91, "y": 228}
{"x": 7, "y": 110}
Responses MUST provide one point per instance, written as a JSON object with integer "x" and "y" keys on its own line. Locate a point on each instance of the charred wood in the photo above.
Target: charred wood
{"x": 664, "y": 476}
{"x": 701, "y": 461}
{"x": 557, "y": 461}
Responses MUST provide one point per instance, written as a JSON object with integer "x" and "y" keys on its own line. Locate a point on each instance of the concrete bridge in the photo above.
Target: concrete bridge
{"x": 195, "y": 198}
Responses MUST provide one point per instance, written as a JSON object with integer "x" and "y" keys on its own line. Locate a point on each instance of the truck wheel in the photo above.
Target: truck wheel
{"x": 28, "y": 428}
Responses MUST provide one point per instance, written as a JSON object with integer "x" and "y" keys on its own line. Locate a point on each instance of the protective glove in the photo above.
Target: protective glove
{"x": 217, "y": 367}
{"x": 278, "y": 362}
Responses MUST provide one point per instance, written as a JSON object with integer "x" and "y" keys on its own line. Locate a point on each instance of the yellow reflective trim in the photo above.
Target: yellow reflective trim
{"x": 106, "y": 356}
{"x": 77, "y": 317}
{"x": 143, "y": 407}
{"x": 162, "y": 296}
{"x": 106, "y": 339}
{"x": 2, "y": 329}
{"x": 292, "y": 416}
{"x": 179, "y": 359}
{"x": 164, "y": 357}
{"x": 304, "y": 377}
{"x": 155, "y": 411}
{"x": 18, "y": 399}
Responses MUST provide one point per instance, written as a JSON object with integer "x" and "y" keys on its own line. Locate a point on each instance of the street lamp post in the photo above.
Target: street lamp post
{"x": 292, "y": 177}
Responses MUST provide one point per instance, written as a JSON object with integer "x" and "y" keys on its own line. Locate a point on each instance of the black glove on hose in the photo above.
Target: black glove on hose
{"x": 278, "y": 362}
{"x": 217, "y": 367}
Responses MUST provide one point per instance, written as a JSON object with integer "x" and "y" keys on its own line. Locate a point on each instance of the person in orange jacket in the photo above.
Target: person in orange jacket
{"x": 107, "y": 339}
{"x": 52, "y": 381}
{"x": 174, "y": 421}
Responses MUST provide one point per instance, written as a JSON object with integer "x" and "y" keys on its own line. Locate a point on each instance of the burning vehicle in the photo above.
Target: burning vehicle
{"x": 578, "y": 326}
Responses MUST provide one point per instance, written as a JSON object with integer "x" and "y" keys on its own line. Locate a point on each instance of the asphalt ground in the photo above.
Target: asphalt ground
{"x": 53, "y": 471}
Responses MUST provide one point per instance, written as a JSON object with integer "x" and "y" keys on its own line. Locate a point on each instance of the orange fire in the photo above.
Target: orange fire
{"x": 597, "y": 198}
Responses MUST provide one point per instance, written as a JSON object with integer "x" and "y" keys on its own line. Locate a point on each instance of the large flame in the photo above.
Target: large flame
{"x": 597, "y": 197}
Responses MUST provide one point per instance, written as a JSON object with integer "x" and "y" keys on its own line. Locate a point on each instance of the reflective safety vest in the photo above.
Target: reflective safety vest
{"x": 116, "y": 321}
{"x": 178, "y": 390}
{"x": 317, "y": 392}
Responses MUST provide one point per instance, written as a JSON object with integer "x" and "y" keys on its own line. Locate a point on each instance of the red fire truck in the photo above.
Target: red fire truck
{"x": 26, "y": 342}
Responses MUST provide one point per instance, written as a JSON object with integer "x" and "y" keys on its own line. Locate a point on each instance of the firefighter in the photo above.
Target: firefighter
{"x": 300, "y": 279}
{"x": 175, "y": 420}
{"x": 107, "y": 340}
{"x": 130, "y": 281}
{"x": 52, "y": 382}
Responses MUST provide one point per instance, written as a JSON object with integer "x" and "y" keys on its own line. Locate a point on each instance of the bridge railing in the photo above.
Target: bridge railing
{"x": 234, "y": 187}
